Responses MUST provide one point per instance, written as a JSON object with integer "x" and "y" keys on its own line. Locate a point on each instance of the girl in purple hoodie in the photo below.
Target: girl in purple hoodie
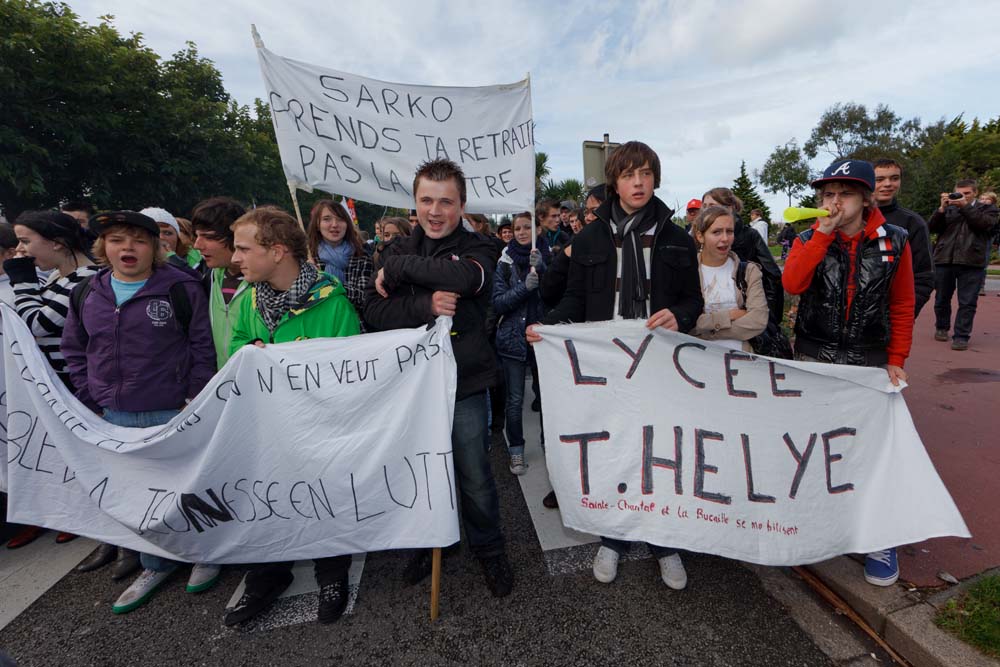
{"x": 138, "y": 345}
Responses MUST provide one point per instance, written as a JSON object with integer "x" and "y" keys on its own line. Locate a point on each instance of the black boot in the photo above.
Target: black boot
{"x": 125, "y": 564}
{"x": 422, "y": 561}
{"x": 101, "y": 556}
{"x": 419, "y": 567}
{"x": 332, "y": 601}
{"x": 258, "y": 594}
{"x": 499, "y": 575}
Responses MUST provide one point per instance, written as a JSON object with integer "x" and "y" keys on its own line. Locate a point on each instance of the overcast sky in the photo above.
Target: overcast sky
{"x": 706, "y": 84}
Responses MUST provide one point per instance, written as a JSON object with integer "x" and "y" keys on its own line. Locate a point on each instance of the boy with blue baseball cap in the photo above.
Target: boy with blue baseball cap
{"x": 854, "y": 273}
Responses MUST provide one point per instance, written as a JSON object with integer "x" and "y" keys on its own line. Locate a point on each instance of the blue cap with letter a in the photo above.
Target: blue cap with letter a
{"x": 854, "y": 171}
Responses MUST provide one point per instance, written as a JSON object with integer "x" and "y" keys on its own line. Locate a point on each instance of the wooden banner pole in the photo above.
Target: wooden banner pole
{"x": 292, "y": 190}
{"x": 435, "y": 582}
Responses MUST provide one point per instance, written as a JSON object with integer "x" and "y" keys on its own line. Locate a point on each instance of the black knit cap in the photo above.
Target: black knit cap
{"x": 55, "y": 226}
{"x": 100, "y": 222}
{"x": 598, "y": 192}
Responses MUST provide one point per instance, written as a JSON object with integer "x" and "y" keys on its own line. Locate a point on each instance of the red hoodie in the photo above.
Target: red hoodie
{"x": 805, "y": 257}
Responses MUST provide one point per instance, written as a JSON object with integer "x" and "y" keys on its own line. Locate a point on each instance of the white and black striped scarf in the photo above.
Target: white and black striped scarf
{"x": 633, "y": 299}
{"x": 272, "y": 305}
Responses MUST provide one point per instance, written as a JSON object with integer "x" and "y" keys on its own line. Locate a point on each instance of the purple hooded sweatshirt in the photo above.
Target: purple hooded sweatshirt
{"x": 137, "y": 357}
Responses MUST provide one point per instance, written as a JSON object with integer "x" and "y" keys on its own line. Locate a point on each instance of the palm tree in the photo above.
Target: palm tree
{"x": 541, "y": 169}
{"x": 562, "y": 190}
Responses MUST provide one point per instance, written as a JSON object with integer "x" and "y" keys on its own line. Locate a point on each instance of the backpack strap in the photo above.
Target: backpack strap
{"x": 741, "y": 280}
{"x": 79, "y": 294}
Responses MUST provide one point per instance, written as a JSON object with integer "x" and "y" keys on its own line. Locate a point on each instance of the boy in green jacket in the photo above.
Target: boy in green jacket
{"x": 212, "y": 220}
{"x": 289, "y": 300}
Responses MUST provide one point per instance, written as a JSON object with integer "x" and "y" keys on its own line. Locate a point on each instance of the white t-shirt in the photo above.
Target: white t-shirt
{"x": 718, "y": 288}
{"x": 761, "y": 226}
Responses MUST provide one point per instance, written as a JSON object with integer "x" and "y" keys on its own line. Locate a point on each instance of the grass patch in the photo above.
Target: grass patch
{"x": 974, "y": 616}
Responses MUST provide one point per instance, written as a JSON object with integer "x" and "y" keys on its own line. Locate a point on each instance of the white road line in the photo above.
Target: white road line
{"x": 26, "y": 573}
{"x": 565, "y": 550}
{"x": 552, "y": 534}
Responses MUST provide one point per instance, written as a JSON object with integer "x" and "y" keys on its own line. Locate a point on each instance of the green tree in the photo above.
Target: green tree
{"x": 848, "y": 130}
{"x": 744, "y": 189}
{"x": 786, "y": 171}
{"x": 125, "y": 130}
{"x": 562, "y": 190}
{"x": 64, "y": 136}
{"x": 951, "y": 151}
{"x": 541, "y": 170}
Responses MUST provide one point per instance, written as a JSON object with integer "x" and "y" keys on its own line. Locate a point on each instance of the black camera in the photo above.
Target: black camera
{"x": 955, "y": 196}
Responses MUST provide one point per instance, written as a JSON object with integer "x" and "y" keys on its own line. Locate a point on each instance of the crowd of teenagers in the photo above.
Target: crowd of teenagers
{"x": 136, "y": 310}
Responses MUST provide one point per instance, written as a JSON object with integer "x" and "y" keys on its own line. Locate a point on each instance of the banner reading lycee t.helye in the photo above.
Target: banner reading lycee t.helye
{"x": 290, "y": 452}
{"x": 664, "y": 438}
{"x": 364, "y": 138}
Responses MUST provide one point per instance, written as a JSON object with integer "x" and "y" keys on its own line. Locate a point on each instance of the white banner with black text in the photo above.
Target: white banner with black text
{"x": 659, "y": 437}
{"x": 293, "y": 451}
{"x": 364, "y": 138}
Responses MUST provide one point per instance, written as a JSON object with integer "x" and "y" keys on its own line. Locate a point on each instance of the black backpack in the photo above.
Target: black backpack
{"x": 772, "y": 342}
{"x": 179, "y": 301}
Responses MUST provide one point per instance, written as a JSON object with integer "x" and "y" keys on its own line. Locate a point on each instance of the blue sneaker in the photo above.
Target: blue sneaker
{"x": 882, "y": 568}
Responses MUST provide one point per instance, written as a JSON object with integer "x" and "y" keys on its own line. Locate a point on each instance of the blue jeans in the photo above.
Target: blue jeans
{"x": 139, "y": 419}
{"x": 968, "y": 280}
{"x": 145, "y": 420}
{"x": 474, "y": 477}
{"x": 622, "y": 547}
{"x": 513, "y": 375}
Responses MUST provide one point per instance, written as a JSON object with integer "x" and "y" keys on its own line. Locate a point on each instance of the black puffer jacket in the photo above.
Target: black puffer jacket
{"x": 861, "y": 340}
{"x": 593, "y": 271}
{"x": 963, "y": 233}
{"x": 749, "y": 246}
{"x": 553, "y": 284}
{"x": 920, "y": 248}
{"x": 462, "y": 262}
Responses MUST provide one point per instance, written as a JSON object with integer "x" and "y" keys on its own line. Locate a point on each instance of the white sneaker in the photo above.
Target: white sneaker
{"x": 606, "y": 565}
{"x": 517, "y": 464}
{"x": 203, "y": 576}
{"x": 673, "y": 573}
{"x": 141, "y": 590}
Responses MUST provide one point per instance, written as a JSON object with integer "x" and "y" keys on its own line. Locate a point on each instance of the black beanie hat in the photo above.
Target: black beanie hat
{"x": 599, "y": 192}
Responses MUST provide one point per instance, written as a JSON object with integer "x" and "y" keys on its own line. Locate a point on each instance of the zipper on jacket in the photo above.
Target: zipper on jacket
{"x": 118, "y": 356}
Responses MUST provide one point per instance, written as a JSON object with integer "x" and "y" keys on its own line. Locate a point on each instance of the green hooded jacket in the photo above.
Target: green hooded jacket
{"x": 326, "y": 313}
{"x": 222, "y": 314}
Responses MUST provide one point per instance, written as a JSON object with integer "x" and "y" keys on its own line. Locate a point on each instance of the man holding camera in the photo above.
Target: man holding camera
{"x": 961, "y": 255}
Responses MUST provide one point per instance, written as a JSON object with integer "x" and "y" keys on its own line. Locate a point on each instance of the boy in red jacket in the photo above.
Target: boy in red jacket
{"x": 855, "y": 277}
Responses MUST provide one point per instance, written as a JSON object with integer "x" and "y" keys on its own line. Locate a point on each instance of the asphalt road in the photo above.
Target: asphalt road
{"x": 724, "y": 617}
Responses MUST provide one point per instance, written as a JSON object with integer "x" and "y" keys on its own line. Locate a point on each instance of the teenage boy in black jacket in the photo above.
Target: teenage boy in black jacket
{"x": 888, "y": 178}
{"x": 659, "y": 283}
{"x": 442, "y": 269}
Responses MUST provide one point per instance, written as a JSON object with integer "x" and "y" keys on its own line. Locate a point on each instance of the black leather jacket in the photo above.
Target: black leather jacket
{"x": 593, "y": 271}
{"x": 963, "y": 234}
{"x": 861, "y": 340}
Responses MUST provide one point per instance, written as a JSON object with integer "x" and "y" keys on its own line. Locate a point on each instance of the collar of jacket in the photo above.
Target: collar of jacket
{"x": 890, "y": 207}
{"x": 659, "y": 210}
{"x": 321, "y": 290}
{"x": 158, "y": 283}
{"x": 872, "y": 224}
{"x": 416, "y": 239}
